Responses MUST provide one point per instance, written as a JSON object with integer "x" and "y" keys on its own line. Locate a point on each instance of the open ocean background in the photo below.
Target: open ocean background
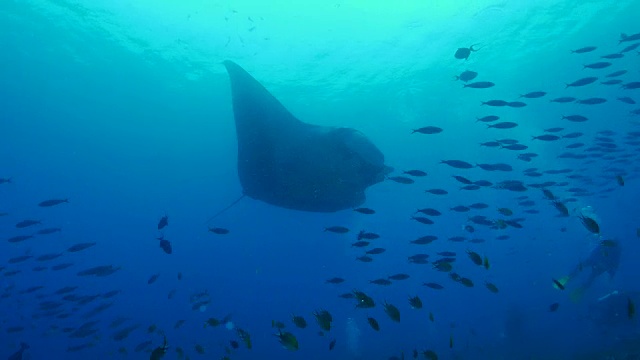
{"x": 124, "y": 108}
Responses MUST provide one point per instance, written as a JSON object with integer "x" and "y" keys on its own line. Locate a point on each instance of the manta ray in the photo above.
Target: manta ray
{"x": 295, "y": 165}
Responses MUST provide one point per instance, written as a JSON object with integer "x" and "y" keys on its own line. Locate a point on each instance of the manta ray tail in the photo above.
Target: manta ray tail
{"x": 225, "y": 209}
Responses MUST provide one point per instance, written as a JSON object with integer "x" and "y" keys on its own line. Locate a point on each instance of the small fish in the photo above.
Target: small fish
{"x": 565, "y": 99}
{"x": 417, "y": 173}
{"x": 534, "y": 95}
{"x": 583, "y": 50}
{"x": 367, "y": 235}
{"x": 428, "y": 130}
{"x": 497, "y": 103}
{"x": 364, "y": 210}
{"x": 48, "y": 231}
{"x": 373, "y": 323}
{"x": 299, "y": 321}
{"x": 463, "y": 53}
{"x": 516, "y": 104}
{"x": 554, "y": 307}
{"x": 392, "y": 311}
{"x": 164, "y": 221}
{"x": 466, "y": 76}
{"x": 153, "y": 278}
{"x": 376, "y": 251}
{"x": 577, "y": 83}
{"x": 597, "y": 65}
{"x": 620, "y": 180}
{"x": 631, "y": 308}
{"x": 612, "y": 56}
{"x": 415, "y": 302}
{"x": 26, "y": 223}
{"x": 492, "y": 287}
{"x": 332, "y": 344}
{"x": 503, "y": 125}
{"x": 590, "y": 224}
{"x": 337, "y": 229}
{"x": 480, "y": 85}
{"x": 335, "y": 280}
{"x": 575, "y": 118}
{"x": 489, "y": 118}
{"x": 218, "y": 230}
{"x": 80, "y": 246}
{"x": 401, "y": 179}
{"x": 165, "y": 245}
{"x": 398, "y": 277}
{"x": 52, "y": 202}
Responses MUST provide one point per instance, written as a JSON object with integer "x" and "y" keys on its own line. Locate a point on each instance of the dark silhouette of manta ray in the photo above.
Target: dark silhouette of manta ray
{"x": 291, "y": 164}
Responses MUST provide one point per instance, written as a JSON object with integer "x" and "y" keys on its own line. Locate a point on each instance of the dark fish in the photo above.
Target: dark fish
{"x": 624, "y": 37}
{"x": 546, "y": 137}
{"x": 417, "y": 173}
{"x": 516, "y": 104}
{"x": 631, "y": 308}
{"x": 392, "y": 311}
{"x": 337, "y": 229}
{"x": 19, "y": 259}
{"x": 48, "y": 231}
{"x": 26, "y": 223}
{"x": 580, "y": 82}
{"x": 423, "y": 220}
{"x": 100, "y": 271}
{"x": 630, "y": 47}
{"x": 480, "y": 85}
{"x": 463, "y": 53}
{"x": 631, "y": 85}
{"x": 365, "y": 259}
{"x": 488, "y": 118}
{"x": 6, "y": 181}
{"x": 164, "y": 221}
{"x": 434, "y": 286}
{"x": 424, "y": 240}
{"x": 478, "y": 206}
{"x": 429, "y": 212}
{"x": 460, "y": 208}
{"x": 427, "y": 130}
{"x": 415, "y": 302}
{"x": 554, "y": 130}
{"x": 463, "y": 180}
{"x": 554, "y": 307}
{"x": 617, "y": 73}
{"x": 401, "y": 179}
{"x": 503, "y": 125}
{"x": 458, "y": 164}
{"x": 153, "y": 279}
{"x": 572, "y": 135}
{"x": 590, "y": 224}
{"x": 483, "y": 183}
{"x": 398, "y": 277}
{"x": 491, "y": 144}
{"x": 627, "y": 100}
{"x": 467, "y": 76}
{"x": 367, "y": 235}
{"x": 492, "y": 287}
{"x": 612, "y": 56}
{"x": 80, "y": 246}
{"x": 62, "y": 266}
{"x": 597, "y": 65}
{"x": 620, "y": 180}
{"x": 361, "y": 243}
{"x": 611, "y": 82}
{"x": 567, "y": 99}
{"x": 516, "y": 147}
{"x": 165, "y": 245}
{"x": 373, "y": 323}
{"x": 19, "y": 238}
{"x": 497, "y": 103}
{"x": 53, "y": 202}
{"x": 365, "y": 211}
{"x": 218, "y": 230}
{"x": 335, "y": 280}
{"x": 383, "y": 282}
{"x": 534, "y": 95}
{"x": 592, "y": 101}
{"x": 575, "y": 118}
{"x": 332, "y": 344}
{"x": 583, "y": 50}
{"x": 495, "y": 167}
{"x": 376, "y": 251}
{"x": 437, "y": 191}
{"x": 48, "y": 257}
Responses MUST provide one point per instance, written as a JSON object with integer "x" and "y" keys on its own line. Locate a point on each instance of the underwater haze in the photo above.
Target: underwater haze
{"x": 508, "y": 228}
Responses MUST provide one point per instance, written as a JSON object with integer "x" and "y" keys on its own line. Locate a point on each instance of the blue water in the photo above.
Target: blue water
{"x": 125, "y": 110}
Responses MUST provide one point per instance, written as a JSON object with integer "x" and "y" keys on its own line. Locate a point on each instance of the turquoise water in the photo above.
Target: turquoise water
{"x": 125, "y": 110}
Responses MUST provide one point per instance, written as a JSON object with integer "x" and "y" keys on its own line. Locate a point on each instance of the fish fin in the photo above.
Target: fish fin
{"x": 563, "y": 281}
{"x": 577, "y": 295}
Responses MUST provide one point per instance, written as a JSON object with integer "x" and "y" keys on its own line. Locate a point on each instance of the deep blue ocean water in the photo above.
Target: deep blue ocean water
{"x": 124, "y": 109}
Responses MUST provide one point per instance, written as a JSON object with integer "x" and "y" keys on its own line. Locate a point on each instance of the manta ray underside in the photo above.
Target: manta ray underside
{"x": 288, "y": 163}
